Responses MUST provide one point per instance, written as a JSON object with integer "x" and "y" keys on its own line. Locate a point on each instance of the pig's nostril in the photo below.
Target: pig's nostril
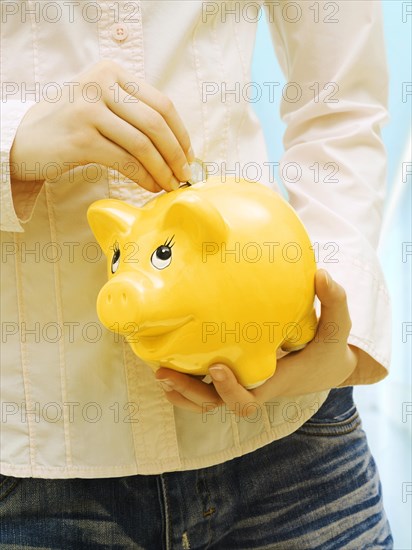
{"x": 124, "y": 297}
{"x": 109, "y": 298}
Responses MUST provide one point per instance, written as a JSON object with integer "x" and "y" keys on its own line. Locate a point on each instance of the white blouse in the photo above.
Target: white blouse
{"x": 76, "y": 402}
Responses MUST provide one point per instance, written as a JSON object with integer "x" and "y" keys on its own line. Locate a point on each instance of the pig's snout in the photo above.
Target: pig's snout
{"x": 118, "y": 304}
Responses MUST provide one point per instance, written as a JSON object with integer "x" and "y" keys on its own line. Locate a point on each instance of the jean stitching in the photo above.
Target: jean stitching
{"x": 13, "y": 482}
{"x": 349, "y": 420}
{"x": 168, "y": 519}
{"x": 322, "y": 430}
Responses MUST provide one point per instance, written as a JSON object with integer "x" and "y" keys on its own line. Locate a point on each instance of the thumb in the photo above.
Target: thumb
{"x": 334, "y": 314}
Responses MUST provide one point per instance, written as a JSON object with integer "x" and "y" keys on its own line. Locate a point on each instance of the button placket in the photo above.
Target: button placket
{"x": 123, "y": 42}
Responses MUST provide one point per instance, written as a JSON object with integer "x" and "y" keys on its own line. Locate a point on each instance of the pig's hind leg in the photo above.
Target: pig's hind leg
{"x": 300, "y": 333}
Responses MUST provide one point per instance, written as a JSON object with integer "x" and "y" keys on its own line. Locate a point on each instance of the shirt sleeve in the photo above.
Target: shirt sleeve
{"x": 17, "y": 201}
{"x": 334, "y": 163}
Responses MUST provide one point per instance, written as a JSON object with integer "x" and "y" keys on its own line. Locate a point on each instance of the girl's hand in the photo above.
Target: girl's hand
{"x": 326, "y": 362}
{"x": 132, "y": 127}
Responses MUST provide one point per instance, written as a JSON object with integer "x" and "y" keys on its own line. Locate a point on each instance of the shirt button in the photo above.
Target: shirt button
{"x": 119, "y": 32}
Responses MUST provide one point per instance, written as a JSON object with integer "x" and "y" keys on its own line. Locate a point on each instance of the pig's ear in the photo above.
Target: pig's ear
{"x": 108, "y": 218}
{"x": 197, "y": 216}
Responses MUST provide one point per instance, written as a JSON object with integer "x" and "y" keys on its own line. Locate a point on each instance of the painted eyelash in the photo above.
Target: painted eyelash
{"x": 115, "y": 247}
{"x": 169, "y": 242}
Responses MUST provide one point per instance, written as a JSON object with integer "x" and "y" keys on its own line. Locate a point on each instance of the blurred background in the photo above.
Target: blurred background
{"x": 385, "y": 408}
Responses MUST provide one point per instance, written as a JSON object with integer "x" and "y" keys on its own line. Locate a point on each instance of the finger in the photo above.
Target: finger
{"x": 159, "y": 102}
{"x": 119, "y": 131}
{"x": 233, "y": 394}
{"x": 191, "y": 388}
{"x": 334, "y": 315}
{"x": 111, "y": 155}
{"x": 153, "y": 113}
{"x": 177, "y": 399}
{"x": 151, "y": 123}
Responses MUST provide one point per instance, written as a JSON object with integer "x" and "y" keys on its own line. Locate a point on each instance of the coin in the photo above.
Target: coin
{"x": 199, "y": 172}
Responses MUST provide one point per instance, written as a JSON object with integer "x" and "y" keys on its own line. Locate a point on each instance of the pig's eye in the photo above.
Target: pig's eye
{"x": 115, "y": 258}
{"x": 162, "y": 256}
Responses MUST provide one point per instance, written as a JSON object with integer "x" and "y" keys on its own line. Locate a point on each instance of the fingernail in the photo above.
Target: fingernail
{"x": 167, "y": 385}
{"x": 174, "y": 184}
{"x": 187, "y": 172}
{"x": 328, "y": 279}
{"x": 190, "y": 155}
{"x": 217, "y": 373}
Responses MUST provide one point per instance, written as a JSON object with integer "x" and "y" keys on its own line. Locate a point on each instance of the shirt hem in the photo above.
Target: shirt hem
{"x": 167, "y": 465}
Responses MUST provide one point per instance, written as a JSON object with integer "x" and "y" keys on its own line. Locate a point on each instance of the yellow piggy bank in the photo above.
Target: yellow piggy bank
{"x": 213, "y": 272}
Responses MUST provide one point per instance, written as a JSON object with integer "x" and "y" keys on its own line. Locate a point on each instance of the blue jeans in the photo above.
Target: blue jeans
{"x": 315, "y": 489}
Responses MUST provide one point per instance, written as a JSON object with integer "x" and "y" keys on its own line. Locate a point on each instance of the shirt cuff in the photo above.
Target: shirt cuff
{"x": 17, "y": 200}
{"x": 371, "y": 318}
